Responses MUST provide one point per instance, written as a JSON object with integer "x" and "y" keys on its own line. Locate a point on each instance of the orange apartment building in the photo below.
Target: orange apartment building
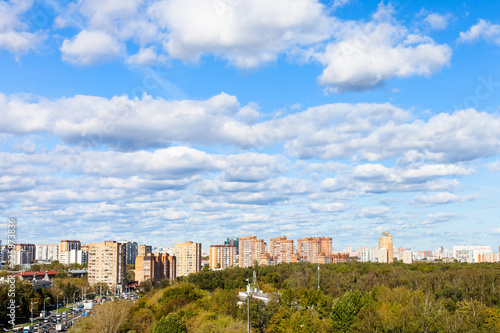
{"x": 281, "y": 250}
{"x": 250, "y": 249}
{"x": 310, "y": 248}
{"x": 222, "y": 256}
{"x": 156, "y": 266}
{"x": 107, "y": 264}
{"x": 385, "y": 242}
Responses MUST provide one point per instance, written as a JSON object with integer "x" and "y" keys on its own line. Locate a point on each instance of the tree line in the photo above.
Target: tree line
{"x": 353, "y": 297}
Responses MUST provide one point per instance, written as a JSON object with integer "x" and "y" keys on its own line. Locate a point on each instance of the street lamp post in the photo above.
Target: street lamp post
{"x": 44, "y": 313}
{"x": 318, "y": 276}
{"x": 32, "y": 311}
{"x": 248, "y": 305}
{"x": 57, "y": 310}
{"x": 73, "y": 316}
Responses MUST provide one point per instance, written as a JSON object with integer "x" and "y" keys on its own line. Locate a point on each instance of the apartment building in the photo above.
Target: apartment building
{"x": 308, "y": 249}
{"x": 281, "y": 250}
{"x": 47, "y": 252}
{"x": 107, "y": 264}
{"x": 250, "y": 249}
{"x": 132, "y": 251}
{"x": 188, "y": 256}
{"x": 144, "y": 250}
{"x": 156, "y": 266}
{"x": 385, "y": 242}
{"x": 66, "y": 246}
{"x": 232, "y": 241}
{"x": 222, "y": 256}
{"x": 24, "y": 253}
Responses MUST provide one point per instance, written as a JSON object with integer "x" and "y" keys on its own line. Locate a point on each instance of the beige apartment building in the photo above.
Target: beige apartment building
{"x": 143, "y": 250}
{"x": 310, "y": 248}
{"x": 385, "y": 242}
{"x": 107, "y": 264}
{"x": 188, "y": 256}
{"x": 250, "y": 249}
{"x": 156, "y": 266}
{"x": 281, "y": 250}
{"x": 222, "y": 256}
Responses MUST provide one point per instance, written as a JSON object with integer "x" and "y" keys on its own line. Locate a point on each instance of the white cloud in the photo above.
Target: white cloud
{"x": 373, "y": 212}
{"x": 91, "y": 47}
{"x": 169, "y": 163}
{"x": 439, "y": 218}
{"x": 493, "y": 166}
{"x": 15, "y": 36}
{"x": 481, "y": 30}
{"x": 437, "y": 21}
{"x": 441, "y": 198}
{"x": 328, "y": 208}
{"x": 145, "y": 57}
{"x": 252, "y": 167}
{"x": 365, "y": 55}
{"x": 360, "y": 132}
{"x": 247, "y": 33}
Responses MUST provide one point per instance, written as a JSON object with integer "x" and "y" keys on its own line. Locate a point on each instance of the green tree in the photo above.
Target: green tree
{"x": 345, "y": 309}
{"x": 172, "y": 323}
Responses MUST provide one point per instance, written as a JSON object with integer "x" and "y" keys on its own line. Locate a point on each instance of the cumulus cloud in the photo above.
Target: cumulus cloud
{"x": 360, "y": 132}
{"x": 365, "y": 55}
{"x": 373, "y": 212}
{"x": 145, "y": 57}
{"x": 15, "y": 36}
{"x": 90, "y": 47}
{"x": 481, "y": 30}
{"x": 247, "y": 33}
{"x": 441, "y": 198}
{"x": 252, "y": 167}
{"x": 328, "y": 208}
{"x": 437, "y": 21}
{"x": 376, "y": 178}
{"x": 432, "y": 219}
{"x": 169, "y": 163}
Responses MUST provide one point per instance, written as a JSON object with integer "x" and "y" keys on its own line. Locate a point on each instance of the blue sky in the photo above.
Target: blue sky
{"x": 169, "y": 120}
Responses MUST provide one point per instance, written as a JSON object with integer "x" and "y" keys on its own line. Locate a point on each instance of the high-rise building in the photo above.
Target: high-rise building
{"x": 66, "y": 246}
{"x": 366, "y": 254}
{"x": 24, "y": 254}
{"x": 132, "y": 251}
{"x": 85, "y": 253}
{"x": 382, "y": 255}
{"x": 385, "y": 242}
{"x": 281, "y": 250}
{"x": 143, "y": 250}
{"x": 308, "y": 249}
{"x": 188, "y": 256}
{"x": 222, "y": 256}
{"x": 471, "y": 254}
{"x": 407, "y": 257}
{"x": 47, "y": 252}
{"x": 73, "y": 257}
{"x": 107, "y": 264}
{"x": 250, "y": 249}
{"x": 234, "y": 242}
{"x": 156, "y": 266}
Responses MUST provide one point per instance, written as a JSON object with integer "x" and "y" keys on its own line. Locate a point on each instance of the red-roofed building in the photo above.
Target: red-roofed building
{"x": 29, "y": 276}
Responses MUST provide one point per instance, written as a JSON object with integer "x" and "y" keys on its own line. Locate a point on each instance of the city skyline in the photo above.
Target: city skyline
{"x": 341, "y": 119}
